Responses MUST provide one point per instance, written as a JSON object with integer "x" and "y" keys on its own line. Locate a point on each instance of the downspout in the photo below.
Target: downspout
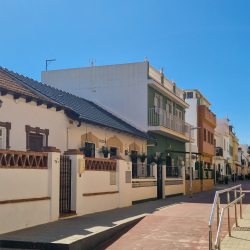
{"x": 68, "y": 132}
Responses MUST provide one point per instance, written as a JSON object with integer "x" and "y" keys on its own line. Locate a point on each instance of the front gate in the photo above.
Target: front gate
{"x": 159, "y": 182}
{"x": 65, "y": 184}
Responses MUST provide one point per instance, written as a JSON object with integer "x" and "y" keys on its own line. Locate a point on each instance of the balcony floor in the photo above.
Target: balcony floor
{"x": 169, "y": 133}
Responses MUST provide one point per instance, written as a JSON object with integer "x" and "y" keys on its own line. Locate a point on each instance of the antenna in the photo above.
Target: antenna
{"x": 49, "y": 62}
{"x": 92, "y": 62}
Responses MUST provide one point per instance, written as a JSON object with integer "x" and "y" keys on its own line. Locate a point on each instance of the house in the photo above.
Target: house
{"x": 199, "y": 115}
{"x": 244, "y": 158}
{"x": 83, "y": 122}
{"x": 42, "y": 170}
{"x": 220, "y": 160}
{"x": 233, "y": 151}
{"x": 138, "y": 93}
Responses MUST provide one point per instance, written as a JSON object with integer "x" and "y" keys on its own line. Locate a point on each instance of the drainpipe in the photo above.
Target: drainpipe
{"x": 68, "y": 132}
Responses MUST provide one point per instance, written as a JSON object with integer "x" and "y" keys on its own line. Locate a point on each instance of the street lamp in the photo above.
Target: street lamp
{"x": 191, "y": 172}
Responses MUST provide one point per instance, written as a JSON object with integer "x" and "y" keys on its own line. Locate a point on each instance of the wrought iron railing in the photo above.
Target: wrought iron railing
{"x": 21, "y": 159}
{"x": 172, "y": 172}
{"x": 160, "y": 117}
{"x": 99, "y": 164}
{"x": 140, "y": 170}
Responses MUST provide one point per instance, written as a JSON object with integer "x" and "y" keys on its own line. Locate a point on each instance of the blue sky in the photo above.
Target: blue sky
{"x": 202, "y": 44}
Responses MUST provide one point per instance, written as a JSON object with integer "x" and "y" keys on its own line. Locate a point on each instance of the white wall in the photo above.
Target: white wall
{"x": 21, "y": 113}
{"x": 18, "y": 184}
{"x": 121, "y": 88}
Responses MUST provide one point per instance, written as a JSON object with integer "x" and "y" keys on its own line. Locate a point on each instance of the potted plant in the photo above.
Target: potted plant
{"x": 156, "y": 158}
{"x": 133, "y": 156}
{"x": 105, "y": 151}
{"x": 142, "y": 157}
{"x": 87, "y": 149}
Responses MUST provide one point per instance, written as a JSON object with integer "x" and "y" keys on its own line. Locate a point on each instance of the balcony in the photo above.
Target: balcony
{"x": 219, "y": 151}
{"x": 166, "y": 124}
{"x": 207, "y": 114}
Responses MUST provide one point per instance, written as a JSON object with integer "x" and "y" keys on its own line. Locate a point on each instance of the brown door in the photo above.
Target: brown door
{"x": 35, "y": 142}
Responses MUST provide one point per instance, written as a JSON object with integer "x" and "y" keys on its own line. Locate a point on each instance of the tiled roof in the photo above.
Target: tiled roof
{"x": 88, "y": 110}
{"x": 11, "y": 85}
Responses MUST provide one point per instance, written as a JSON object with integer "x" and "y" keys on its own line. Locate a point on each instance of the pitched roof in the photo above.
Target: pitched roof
{"x": 13, "y": 86}
{"x": 87, "y": 110}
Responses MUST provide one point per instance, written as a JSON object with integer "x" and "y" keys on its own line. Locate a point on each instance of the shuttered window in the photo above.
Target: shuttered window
{"x": 35, "y": 142}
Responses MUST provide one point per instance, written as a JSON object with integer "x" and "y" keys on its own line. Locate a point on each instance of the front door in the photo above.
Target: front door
{"x": 65, "y": 184}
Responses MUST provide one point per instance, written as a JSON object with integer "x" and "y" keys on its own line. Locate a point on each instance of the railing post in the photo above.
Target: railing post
{"x": 235, "y": 197}
{"x": 210, "y": 239}
{"x": 228, "y": 211}
{"x": 241, "y": 203}
{"x": 218, "y": 217}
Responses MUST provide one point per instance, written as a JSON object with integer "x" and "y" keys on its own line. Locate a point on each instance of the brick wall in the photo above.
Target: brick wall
{"x": 196, "y": 186}
{"x": 208, "y": 184}
{"x": 199, "y": 185}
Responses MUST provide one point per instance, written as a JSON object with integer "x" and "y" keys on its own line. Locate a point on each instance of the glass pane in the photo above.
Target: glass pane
{"x": 1, "y": 132}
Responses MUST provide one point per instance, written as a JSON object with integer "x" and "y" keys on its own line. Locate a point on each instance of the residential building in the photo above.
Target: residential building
{"x": 234, "y": 154}
{"x": 199, "y": 115}
{"x": 43, "y": 174}
{"x": 244, "y": 157}
{"x": 96, "y": 125}
{"x": 220, "y": 160}
{"x": 138, "y": 93}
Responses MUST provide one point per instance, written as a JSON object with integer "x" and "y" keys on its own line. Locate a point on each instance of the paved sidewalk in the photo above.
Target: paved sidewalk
{"x": 173, "y": 223}
{"x": 184, "y": 226}
{"x": 240, "y": 236}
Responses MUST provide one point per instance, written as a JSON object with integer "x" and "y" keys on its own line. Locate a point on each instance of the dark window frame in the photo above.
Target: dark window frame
{"x": 7, "y": 126}
{"x": 36, "y": 130}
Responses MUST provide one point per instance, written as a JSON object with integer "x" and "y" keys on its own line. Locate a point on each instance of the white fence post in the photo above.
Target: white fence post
{"x": 124, "y": 173}
{"x": 53, "y": 180}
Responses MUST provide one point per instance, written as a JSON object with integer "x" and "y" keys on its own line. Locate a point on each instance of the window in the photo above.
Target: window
{"x": 208, "y": 136}
{"x": 205, "y": 134}
{"x": 34, "y": 138}
{"x": 35, "y": 142}
{"x": 189, "y": 95}
{"x": 1, "y": 139}
{"x": 90, "y": 150}
{"x": 212, "y": 139}
{"x": 198, "y": 101}
{"x": 158, "y": 103}
{"x": 169, "y": 107}
{"x": 113, "y": 151}
{"x": 224, "y": 144}
{"x": 178, "y": 113}
{"x": 5, "y": 135}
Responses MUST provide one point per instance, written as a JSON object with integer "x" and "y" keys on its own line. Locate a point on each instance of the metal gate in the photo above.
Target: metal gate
{"x": 65, "y": 184}
{"x": 159, "y": 182}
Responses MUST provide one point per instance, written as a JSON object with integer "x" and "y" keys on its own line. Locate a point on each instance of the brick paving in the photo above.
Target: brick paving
{"x": 173, "y": 223}
{"x": 184, "y": 226}
{"x": 240, "y": 236}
